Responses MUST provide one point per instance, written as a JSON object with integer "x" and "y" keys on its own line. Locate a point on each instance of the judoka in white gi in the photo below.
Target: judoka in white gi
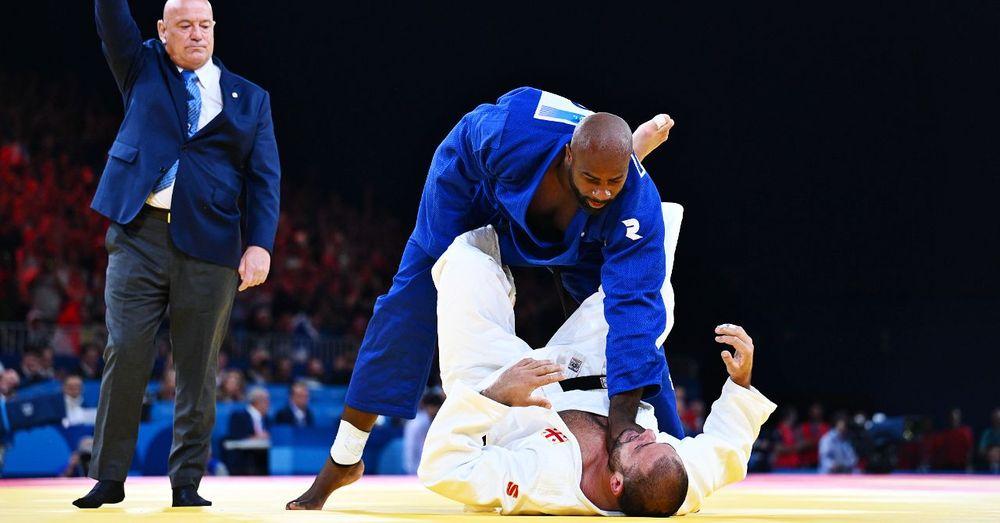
{"x": 544, "y": 449}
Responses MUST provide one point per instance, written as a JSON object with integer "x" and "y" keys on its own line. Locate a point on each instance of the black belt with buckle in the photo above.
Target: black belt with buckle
{"x": 584, "y": 383}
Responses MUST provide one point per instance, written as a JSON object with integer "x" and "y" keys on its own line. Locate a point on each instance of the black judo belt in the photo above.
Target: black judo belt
{"x": 584, "y": 383}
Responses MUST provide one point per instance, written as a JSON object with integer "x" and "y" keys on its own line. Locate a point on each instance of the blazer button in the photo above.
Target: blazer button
{"x": 163, "y": 170}
{"x": 184, "y": 147}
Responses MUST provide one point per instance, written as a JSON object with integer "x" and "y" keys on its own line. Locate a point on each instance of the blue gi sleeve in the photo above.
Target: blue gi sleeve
{"x": 457, "y": 169}
{"x": 632, "y": 276}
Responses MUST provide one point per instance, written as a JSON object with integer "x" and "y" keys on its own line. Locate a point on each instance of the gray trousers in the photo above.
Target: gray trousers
{"x": 146, "y": 274}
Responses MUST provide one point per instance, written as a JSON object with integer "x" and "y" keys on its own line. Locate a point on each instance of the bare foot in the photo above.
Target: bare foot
{"x": 331, "y": 478}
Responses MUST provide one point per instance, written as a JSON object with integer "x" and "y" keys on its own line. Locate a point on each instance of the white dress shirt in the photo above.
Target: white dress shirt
{"x": 211, "y": 105}
{"x": 257, "y": 419}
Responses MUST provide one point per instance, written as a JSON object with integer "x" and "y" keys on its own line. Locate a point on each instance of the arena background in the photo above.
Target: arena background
{"x": 837, "y": 161}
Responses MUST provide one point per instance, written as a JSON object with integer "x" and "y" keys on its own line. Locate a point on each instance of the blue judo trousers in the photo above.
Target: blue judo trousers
{"x": 485, "y": 172}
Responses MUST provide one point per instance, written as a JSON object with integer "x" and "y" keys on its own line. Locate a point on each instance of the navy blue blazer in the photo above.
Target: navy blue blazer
{"x": 234, "y": 153}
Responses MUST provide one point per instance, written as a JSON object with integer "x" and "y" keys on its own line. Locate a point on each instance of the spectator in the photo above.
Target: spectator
{"x": 315, "y": 373}
{"x": 259, "y": 372}
{"x": 343, "y": 366}
{"x": 76, "y": 413}
{"x": 989, "y": 444}
{"x": 284, "y": 371}
{"x": 232, "y": 388}
{"x": 33, "y": 370}
{"x": 695, "y": 422}
{"x": 415, "y": 430}
{"x": 248, "y": 437}
{"x": 786, "y": 441}
{"x": 79, "y": 461}
{"x": 297, "y": 412}
{"x": 951, "y": 449}
{"x": 836, "y": 454}
{"x": 810, "y": 432}
{"x": 90, "y": 364}
{"x": 9, "y": 382}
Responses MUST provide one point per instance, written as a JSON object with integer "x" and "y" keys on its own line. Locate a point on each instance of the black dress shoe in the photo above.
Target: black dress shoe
{"x": 188, "y": 497}
{"x": 105, "y": 491}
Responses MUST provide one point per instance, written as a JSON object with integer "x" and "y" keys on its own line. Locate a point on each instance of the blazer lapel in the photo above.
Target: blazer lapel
{"x": 178, "y": 92}
{"x": 228, "y": 86}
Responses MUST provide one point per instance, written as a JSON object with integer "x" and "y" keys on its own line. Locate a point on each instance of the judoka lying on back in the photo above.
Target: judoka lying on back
{"x": 544, "y": 450}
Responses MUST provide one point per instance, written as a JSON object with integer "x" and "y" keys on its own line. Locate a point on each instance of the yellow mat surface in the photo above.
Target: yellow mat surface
{"x": 761, "y": 498}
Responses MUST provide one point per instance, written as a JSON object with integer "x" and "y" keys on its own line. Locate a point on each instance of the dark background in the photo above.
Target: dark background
{"x": 837, "y": 163}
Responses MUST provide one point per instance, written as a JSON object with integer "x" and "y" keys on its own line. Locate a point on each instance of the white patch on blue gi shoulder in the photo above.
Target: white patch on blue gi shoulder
{"x": 555, "y": 108}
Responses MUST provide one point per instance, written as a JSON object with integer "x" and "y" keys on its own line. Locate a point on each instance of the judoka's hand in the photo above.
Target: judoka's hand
{"x": 738, "y": 366}
{"x": 650, "y": 135}
{"x": 515, "y": 385}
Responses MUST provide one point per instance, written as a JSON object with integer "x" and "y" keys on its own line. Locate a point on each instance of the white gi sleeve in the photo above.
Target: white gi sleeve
{"x": 456, "y": 463}
{"x": 475, "y": 310}
{"x": 719, "y": 456}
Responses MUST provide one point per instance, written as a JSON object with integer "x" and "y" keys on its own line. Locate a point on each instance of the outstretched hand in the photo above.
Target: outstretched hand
{"x": 650, "y": 135}
{"x": 739, "y": 365}
{"x": 515, "y": 385}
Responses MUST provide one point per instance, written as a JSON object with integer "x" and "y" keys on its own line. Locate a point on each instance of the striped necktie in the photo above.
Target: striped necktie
{"x": 194, "y": 113}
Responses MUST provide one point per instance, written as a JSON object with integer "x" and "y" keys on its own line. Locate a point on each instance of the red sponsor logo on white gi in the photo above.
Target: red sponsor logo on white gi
{"x": 512, "y": 489}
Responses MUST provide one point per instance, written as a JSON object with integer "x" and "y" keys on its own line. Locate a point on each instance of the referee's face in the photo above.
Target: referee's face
{"x": 187, "y": 30}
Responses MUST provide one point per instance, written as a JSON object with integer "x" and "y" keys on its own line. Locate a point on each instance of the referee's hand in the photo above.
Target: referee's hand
{"x": 254, "y": 266}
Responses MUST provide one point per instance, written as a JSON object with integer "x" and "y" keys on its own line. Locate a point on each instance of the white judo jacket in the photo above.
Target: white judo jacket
{"x": 531, "y": 463}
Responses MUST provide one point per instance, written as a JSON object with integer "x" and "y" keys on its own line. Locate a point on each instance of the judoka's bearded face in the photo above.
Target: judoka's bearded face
{"x": 596, "y": 179}
{"x": 649, "y": 478}
{"x": 187, "y": 30}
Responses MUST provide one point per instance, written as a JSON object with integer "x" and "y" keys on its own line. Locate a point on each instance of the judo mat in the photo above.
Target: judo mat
{"x": 761, "y": 498}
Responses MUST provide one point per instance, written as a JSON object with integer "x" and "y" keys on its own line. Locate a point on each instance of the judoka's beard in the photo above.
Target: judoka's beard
{"x": 615, "y": 456}
{"x": 584, "y": 200}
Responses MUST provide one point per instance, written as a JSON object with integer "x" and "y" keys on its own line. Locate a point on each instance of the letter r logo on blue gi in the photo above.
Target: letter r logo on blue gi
{"x": 631, "y": 229}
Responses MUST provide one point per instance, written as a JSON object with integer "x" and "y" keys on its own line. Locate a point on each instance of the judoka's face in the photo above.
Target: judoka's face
{"x": 596, "y": 179}
{"x": 187, "y": 30}
{"x": 638, "y": 450}
{"x": 649, "y": 477}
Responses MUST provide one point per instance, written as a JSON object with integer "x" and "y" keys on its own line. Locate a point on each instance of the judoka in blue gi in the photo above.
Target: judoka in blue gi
{"x": 564, "y": 188}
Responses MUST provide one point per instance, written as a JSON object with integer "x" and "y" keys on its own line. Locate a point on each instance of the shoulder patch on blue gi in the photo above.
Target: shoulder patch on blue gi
{"x": 555, "y": 108}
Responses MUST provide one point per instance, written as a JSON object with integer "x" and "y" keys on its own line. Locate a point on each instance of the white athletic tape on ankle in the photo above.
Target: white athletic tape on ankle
{"x": 348, "y": 445}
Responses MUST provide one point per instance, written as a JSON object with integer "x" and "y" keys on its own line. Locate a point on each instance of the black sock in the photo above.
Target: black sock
{"x": 105, "y": 491}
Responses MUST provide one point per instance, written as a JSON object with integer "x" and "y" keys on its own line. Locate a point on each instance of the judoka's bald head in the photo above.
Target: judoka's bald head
{"x": 598, "y": 157}
{"x": 605, "y": 134}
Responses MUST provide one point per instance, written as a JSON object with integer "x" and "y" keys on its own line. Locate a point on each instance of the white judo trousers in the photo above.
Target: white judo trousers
{"x": 531, "y": 462}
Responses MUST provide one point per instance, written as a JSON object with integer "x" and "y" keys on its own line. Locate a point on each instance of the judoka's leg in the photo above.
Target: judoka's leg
{"x": 397, "y": 352}
{"x": 390, "y": 374}
{"x": 475, "y": 311}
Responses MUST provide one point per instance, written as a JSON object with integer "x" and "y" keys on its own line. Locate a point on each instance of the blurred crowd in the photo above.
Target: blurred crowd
{"x": 875, "y": 444}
